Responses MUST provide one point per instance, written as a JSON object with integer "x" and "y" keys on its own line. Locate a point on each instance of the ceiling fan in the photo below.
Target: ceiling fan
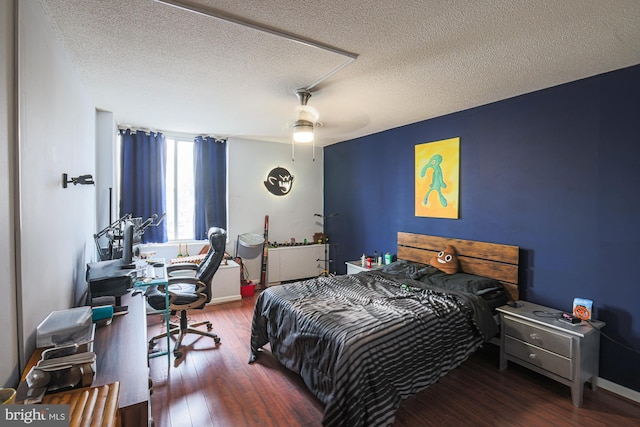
{"x": 306, "y": 118}
{"x": 305, "y": 122}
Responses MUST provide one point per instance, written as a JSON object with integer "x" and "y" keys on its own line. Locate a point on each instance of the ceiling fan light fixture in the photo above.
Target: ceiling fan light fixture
{"x": 306, "y": 120}
{"x": 303, "y": 131}
{"x": 306, "y": 117}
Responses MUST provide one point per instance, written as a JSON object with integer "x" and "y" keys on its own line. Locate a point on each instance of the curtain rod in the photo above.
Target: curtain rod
{"x": 171, "y": 134}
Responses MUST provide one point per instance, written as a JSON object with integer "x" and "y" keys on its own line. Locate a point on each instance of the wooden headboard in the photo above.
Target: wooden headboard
{"x": 491, "y": 260}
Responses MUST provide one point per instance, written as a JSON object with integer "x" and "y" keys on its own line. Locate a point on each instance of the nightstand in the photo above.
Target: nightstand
{"x": 532, "y": 336}
{"x": 354, "y": 267}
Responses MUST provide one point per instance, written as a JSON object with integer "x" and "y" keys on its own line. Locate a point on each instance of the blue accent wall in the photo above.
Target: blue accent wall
{"x": 555, "y": 172}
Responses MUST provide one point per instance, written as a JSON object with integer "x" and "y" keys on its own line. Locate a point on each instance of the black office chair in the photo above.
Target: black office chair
{"x": 189, "y": 291}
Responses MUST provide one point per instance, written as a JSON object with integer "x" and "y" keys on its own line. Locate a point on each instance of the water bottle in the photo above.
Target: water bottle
{"x": 387, "y": 258}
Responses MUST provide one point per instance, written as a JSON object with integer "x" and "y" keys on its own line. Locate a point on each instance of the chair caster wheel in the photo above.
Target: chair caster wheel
{"x": 209, "y": 326}
{"x": 216, "y": 340}
{"x": 152, "y": 344}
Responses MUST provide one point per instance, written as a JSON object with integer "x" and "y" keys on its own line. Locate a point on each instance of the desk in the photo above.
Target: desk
{"x": 121, "y": 357}
{"x": 156, "y": 276}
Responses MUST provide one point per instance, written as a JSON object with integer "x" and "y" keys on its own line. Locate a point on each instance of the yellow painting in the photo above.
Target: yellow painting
{"x": 437, "y": 175}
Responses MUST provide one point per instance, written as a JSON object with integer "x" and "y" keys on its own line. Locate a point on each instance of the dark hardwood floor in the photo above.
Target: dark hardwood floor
{"x": 215, "y": 386}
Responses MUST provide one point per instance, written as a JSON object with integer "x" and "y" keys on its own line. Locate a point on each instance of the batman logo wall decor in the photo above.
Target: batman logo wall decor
{"x": 279, "y": 181}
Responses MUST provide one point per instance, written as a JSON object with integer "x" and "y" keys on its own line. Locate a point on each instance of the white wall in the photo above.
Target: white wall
{"x": 56, "y": 135}
{"x": 291, "y": 215}
{"x": 9, "y": 372}
{"x": 106, "y": 131}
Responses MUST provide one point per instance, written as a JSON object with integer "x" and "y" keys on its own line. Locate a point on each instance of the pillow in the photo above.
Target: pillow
{"x": 464, "y": 282}
{"x": 446, "y": 260}
{"x": 413, "y": 270}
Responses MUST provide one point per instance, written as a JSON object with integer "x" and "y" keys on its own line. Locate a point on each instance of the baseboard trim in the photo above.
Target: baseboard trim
{"x": 222, "y": 300}
{"x": 619, "y": 390}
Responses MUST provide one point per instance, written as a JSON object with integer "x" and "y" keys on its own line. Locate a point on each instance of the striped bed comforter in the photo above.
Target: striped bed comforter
{"x": 362, "y": 343}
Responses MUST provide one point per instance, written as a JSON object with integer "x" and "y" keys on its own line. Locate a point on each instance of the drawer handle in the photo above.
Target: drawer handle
{"x": 534, "y": 336}
{"x": 533, "y": 356}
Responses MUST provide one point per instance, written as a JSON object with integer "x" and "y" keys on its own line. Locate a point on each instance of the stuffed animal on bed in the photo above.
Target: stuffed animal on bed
{"x": 446, "y": 260}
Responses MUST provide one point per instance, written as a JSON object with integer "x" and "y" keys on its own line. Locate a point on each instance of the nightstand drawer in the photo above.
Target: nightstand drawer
{"x": 539, "y": 337}
{"x": 537, "y": 356}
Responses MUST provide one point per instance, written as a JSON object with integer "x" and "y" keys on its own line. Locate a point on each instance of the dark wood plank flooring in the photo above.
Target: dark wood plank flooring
{"x": 215, "y": 386}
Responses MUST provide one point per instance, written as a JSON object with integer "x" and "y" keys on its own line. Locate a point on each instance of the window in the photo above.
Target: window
{"x": 180, "y": 189}
{"x": 159, "y": 174}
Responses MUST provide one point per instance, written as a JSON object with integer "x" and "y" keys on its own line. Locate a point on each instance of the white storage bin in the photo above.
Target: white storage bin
{"x": 65, "y": 327}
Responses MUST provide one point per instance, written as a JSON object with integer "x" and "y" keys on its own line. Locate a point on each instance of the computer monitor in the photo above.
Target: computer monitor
{"x": 127, "y": 244}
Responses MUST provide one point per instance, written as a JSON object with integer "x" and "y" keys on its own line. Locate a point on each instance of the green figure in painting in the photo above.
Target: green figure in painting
{"x": 437, "y": 181}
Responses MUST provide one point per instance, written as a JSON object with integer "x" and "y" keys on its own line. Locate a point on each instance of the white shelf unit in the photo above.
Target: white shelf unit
{"x": 225, "y": 284}
{"x": 294, "y": 263}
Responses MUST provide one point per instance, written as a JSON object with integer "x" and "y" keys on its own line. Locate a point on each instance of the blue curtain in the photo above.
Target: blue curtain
{"x": 143, "y": 180}
{"x": 210, "y": 169}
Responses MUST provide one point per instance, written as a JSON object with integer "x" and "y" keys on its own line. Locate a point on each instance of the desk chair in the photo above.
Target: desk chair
{"x": 189, "y": 291}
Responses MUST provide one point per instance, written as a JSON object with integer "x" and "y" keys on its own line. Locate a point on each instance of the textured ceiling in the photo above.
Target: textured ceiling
{"x": 163, "y": 68}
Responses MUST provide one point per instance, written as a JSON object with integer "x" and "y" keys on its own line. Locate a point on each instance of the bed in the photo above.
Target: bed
{"x": 364, "y": 342}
